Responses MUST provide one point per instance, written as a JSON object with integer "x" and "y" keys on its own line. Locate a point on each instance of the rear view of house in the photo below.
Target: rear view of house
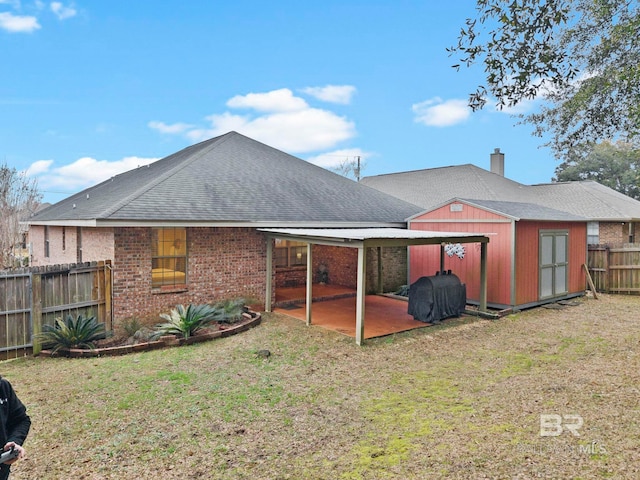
{"x": 186, "y": 229}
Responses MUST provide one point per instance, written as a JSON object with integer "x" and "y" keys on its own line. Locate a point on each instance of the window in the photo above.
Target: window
{"x": 46, "y": 241}
{"x": 593, "y": 233}
{"x": 79, "y": 244}
{"x": 168, "y": 257}
{"x": 290, "y": 254}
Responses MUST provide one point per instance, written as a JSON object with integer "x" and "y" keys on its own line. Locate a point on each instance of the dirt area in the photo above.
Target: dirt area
{"x": 544, "y": 393}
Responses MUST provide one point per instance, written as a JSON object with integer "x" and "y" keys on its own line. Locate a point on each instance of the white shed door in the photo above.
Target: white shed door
{"x": 554, "y": 263}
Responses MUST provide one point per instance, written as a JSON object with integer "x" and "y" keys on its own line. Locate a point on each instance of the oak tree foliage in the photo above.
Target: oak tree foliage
{"x": 615, "y": 165}
{"x": 582, "y": 57}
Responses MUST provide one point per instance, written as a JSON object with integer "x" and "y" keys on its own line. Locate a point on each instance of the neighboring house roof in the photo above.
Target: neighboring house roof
{"x": 525, "y": 211}
{"x": 589, "y": 199}
{"x": 230, "y": 180}
{"x": 433, "y": 187}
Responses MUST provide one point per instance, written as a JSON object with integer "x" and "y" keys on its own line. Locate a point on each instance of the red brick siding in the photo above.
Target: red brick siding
{"x": 291, "y": 276}
{"x": 342, "y": 265}
{"x": 394, "y": 268}
{"x": 223, "y": 263}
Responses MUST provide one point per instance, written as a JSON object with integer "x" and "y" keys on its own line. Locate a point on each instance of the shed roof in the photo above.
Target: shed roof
{"x": 526, "y": 211}
{"x": 230, "y": 180}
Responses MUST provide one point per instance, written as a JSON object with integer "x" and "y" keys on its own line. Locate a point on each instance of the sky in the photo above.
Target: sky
{"x": 89, "y": 89}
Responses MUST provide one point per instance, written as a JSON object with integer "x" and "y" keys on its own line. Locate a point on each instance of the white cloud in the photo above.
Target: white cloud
{"x": 61, "y": 11}
{"x": 341, "y": 94}
{"x": 338, "y": 157}
{"x": 279, "y": 119}
{"x": 82, "y": 173}
{"x": 166, "y": 128}
{"x": 301, "y": 131}
{"x": 18, "y": 23}
{"x": 281, "y": 100}
{"x": 36, "y": 168}
{"x": 441, "y": 113}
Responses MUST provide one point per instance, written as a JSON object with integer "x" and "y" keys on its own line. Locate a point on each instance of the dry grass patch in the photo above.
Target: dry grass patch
{"x": 461, "y": 400}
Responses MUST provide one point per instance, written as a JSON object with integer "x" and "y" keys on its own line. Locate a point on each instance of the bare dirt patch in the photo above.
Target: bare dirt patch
{"x": 460, "y": 400}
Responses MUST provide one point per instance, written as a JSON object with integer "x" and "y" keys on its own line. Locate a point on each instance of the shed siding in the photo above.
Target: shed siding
{"x": 527, "y": 265}
{"x": 467, "y": 213}
{"x": 425, "y": 260}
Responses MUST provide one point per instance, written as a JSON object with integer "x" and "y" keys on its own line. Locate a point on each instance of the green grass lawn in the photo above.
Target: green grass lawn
{"x": 460, "y": 400}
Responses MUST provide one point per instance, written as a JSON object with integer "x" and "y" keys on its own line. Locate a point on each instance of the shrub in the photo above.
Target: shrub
{"x": 131, "y": 326}
{"x": 80, "y": 332}
{"x": 229, "y": 311}
{"x": 185, "y": 322}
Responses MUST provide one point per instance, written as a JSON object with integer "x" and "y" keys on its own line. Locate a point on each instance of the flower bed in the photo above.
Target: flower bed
{"x": 250, "y": 320}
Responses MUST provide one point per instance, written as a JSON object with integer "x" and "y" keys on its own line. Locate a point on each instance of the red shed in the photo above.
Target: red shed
{"x": 534, "y": 256}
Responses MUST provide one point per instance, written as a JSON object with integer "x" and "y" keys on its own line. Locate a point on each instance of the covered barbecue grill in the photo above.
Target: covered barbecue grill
{"x": 432, "y": 299}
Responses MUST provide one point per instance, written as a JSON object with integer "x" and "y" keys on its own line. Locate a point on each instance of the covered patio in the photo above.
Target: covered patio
{"x": 362, "y": 239}
{"x": 334, "y": 308}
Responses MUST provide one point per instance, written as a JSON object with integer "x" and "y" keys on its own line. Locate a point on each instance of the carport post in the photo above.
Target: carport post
{"x": 267, "y": 300}
{"x": 360, "y": 294}
{"x": 309, "y": 283}
{"x": 483, "y": 277}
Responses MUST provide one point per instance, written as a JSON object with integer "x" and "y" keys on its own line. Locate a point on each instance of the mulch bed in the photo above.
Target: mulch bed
{"x": 115, "y": 346}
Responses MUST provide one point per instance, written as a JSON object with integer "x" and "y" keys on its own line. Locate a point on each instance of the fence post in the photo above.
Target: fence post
{"x": 108, "y": 307}
{"x": 36, "y": 310}
{"x": 607, "y": 276}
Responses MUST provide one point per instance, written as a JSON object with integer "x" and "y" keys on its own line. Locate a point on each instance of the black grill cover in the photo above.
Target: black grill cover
{"x": 432, "y": 299}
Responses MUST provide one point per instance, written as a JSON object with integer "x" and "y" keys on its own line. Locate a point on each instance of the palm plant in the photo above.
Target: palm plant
{"x": 185, "y": 322}
{"x": 80, "y": 332}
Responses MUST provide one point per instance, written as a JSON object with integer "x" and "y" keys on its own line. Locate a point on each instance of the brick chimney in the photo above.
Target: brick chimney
{"x": 497, "y": 162}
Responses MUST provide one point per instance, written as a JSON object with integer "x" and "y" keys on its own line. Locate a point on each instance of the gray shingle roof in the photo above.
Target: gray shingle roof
{"x": 526, "y": 211}
{"x": 230, "y": 179}
{"x": 433, "y": 187}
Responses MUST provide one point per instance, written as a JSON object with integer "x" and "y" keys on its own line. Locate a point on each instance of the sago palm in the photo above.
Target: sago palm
{"x": 80, "y": 332}
{"x": 185, "y": 322}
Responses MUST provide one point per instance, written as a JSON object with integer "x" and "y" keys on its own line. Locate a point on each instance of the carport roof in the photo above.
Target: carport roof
{"x": 374, "y": 236}
{"x": 362, "y": 238}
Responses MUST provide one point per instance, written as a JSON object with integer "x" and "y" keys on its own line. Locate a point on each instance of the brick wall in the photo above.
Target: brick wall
{"x": 97, "y": 245}
{"x": 341, "y": 263}
{"x": 223, "y": 263}
{"x": 614, "y": 233}
{"x": 394, "y": 269}
{"x": 342, "y": 266}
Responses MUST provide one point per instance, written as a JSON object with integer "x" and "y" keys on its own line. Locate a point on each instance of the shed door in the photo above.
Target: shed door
{"x": 554, "y": 263}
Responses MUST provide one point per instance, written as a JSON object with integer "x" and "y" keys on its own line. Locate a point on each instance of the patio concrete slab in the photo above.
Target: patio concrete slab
{"x": 383, "y": 315}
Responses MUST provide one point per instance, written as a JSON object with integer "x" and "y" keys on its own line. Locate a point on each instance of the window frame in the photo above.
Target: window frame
{"x": 294, "y": 252}
{"x": 169, "y": 257}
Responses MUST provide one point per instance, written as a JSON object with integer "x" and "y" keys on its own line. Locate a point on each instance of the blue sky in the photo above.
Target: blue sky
{"x": 89, "y": 89}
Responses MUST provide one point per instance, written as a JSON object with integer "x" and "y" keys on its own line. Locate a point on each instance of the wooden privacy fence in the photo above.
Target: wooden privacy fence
{"x": 615, "y": 269}
{"x": 36, "y": 296}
